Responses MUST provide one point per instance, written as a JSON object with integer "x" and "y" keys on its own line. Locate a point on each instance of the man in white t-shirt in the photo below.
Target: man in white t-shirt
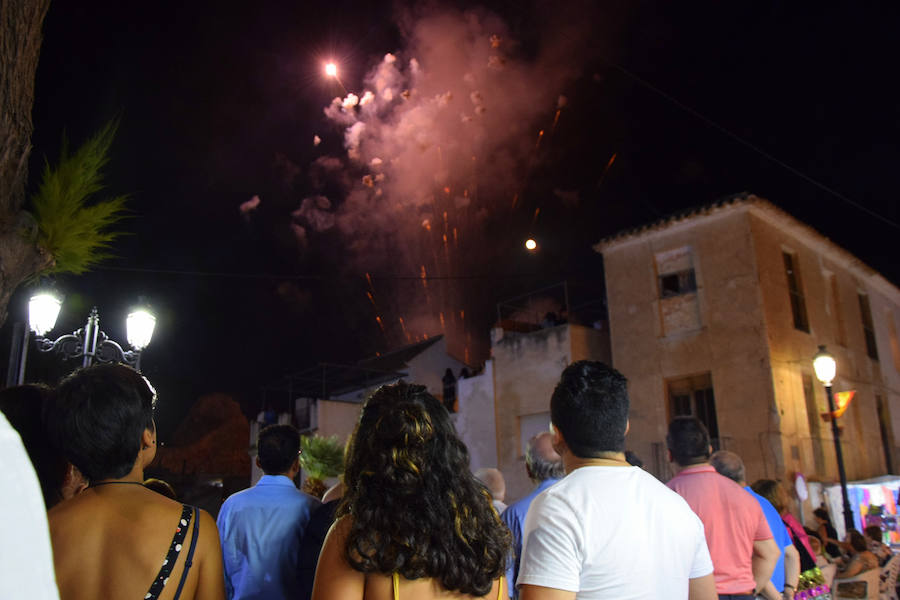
{"x": 26, "y": 560}
{"x": 608, "y": 530}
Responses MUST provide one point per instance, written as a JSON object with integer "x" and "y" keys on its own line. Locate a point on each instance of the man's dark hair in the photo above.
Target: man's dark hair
{"x": 589, "y": 407}
{"x": 688, "y": 441}
{"x": 857, "y": 540}
{"x": 822, "y": 514}
{"x": 278, "y": 448}
{"x": 97, "y": 417}
{"x": 874, "y": 533}
{"x": 23, "y": 406}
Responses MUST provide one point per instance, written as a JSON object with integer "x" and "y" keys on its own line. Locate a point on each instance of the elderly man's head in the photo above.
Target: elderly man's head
{"x": 730, "y": 465}
{"x": 493, "y": 481}
{"x": 541, "y": 460}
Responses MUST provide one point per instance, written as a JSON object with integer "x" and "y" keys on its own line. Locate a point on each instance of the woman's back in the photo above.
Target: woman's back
{"x": 336, "y": 579}
{"x": 112, "y": 540}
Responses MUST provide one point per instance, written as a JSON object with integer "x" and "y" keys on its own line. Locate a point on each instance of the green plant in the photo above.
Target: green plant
{"x": 321, "y": 457}
{"x": 74, "y": 231}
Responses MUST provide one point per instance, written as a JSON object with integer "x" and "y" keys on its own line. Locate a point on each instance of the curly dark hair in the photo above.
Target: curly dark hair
{"x": 414, "y": 506}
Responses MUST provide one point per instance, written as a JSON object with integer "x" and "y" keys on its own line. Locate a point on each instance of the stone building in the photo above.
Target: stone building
{"x": 717, "y": 312}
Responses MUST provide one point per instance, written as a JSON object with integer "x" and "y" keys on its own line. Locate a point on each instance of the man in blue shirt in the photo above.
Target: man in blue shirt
{"x": 544, "y": 467}
{"x": 261, "y": 527}
{"x": 787, "y": 569}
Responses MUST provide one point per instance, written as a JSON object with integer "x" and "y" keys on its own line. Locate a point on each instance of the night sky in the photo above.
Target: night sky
{"x": 220, "y": 101}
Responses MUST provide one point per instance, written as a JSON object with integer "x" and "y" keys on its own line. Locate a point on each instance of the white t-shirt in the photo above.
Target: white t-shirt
{"x": 613, "y": 533}
{"x": 26, "y": 561}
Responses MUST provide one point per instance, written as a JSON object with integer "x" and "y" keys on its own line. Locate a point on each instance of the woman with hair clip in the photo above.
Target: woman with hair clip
{"x": 118, "y": 539}
{"x": 414, "y": 522}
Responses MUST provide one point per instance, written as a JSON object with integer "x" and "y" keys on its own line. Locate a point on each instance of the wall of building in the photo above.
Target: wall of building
{"x": 834, "y": 320}
{"x": 653, "y": 341}
{"x": 527, "y": 367}
{"x": 337, "y": 418}
{"x": 474, "y": 420}
{"x": 428, "y": 368}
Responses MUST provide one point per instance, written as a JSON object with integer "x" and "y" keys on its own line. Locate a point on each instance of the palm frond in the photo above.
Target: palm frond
{"x": 321, "y": 457}
{"x": 76, "y": 232}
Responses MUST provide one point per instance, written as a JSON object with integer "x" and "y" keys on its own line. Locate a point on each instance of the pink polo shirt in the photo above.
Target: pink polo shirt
{"x": 732, "y": 520}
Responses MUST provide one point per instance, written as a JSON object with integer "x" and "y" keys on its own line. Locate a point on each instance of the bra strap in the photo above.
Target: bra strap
{"x": 189, "y": 559}
{"x": 395, "y": 579}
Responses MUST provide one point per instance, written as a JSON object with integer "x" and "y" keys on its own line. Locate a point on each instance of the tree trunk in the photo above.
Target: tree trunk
{"x": 20, "y": 48}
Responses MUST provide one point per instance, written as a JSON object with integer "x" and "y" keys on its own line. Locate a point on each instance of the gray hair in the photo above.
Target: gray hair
{"x": 493, "y": 481}
{"x": 729, "y": 465}
{"x": 542, "y": 460}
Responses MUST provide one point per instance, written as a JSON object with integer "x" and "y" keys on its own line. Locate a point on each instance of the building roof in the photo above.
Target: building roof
{"x": 327, "y": 380}
{"x": 768, "y": 211}
{"x": 680, "y": 216}
{"x": 399, "y": 359}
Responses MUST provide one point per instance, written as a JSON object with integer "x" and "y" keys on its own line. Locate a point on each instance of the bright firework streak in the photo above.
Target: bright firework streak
{"x": 530, "y": 244}
{"x": 405, "y": 332}
{"x": 332, "y": 71}
{"x": 424, "y": 278}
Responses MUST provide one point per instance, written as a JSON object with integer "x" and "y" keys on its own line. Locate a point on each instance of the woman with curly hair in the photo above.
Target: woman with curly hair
{"x": 414, "y": 522}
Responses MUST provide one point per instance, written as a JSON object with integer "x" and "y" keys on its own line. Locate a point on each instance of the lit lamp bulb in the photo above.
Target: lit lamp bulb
{"x": 530, "y": 244}
{"x": 825, "y": 366}
{"x": 331, "y": 69}
{"x": 139, "y": 328}
{"x": 42, "y": 312}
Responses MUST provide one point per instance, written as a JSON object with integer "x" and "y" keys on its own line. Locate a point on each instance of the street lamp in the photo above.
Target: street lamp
{"x": 826, "y": 368}
{"x": 88, "y": 343}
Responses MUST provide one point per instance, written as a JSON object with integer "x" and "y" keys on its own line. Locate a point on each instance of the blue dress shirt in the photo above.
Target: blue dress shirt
{"x": 261, "y": 529}
{"x": 779, "y": 532}
{"x": 514, "y": 518}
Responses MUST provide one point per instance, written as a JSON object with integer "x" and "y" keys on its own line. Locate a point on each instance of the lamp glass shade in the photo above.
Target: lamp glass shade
{"x": 43, "y": 309}
{"x": 139, "y": 328}
{"x": 825, "y": 366}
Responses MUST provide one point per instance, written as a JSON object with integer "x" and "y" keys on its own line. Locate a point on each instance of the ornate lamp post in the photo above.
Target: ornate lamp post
{"x": 826, "y": 368}
{"x": 88, "y": 343}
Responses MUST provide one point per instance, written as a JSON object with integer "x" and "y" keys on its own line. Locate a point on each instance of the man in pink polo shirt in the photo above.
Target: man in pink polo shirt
{"x": 739, "y": 539}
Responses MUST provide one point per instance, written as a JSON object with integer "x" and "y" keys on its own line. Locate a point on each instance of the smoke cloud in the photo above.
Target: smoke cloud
{"x": 437, "y": 140}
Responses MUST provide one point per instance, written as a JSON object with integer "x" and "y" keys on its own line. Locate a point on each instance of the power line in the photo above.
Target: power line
{"x": 751, "y": 145}
{"x": 300, "y": 277}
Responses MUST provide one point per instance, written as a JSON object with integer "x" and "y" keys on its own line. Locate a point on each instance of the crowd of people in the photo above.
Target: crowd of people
{"x": 408, "y": 519}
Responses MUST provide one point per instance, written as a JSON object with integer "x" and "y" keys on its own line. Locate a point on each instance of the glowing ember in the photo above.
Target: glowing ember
{"x": 530, "y": 244}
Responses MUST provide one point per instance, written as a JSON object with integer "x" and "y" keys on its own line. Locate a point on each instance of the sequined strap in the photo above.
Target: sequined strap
{"x": 174, "y": 549}
{"x": 395, "y": 578}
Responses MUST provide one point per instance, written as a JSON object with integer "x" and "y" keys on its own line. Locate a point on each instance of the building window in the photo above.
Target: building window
{"x": 676, "y": 284}
{"x": 868, "y": 329}
{"x": 693, "y": 396}
{"x": 795, "y": 290}
{"x": 837, "y": 313}
{"x": 884, "y": 420}
{"x": 895, "y": 346}
{"x": 815, "y": 424}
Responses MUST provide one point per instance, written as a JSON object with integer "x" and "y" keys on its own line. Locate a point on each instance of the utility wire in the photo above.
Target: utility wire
{"x": 276, "y": 276}
{"x": 751, "y": 145}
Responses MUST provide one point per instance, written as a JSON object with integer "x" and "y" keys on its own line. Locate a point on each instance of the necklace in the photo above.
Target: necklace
{"x": 98, "y": 484}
